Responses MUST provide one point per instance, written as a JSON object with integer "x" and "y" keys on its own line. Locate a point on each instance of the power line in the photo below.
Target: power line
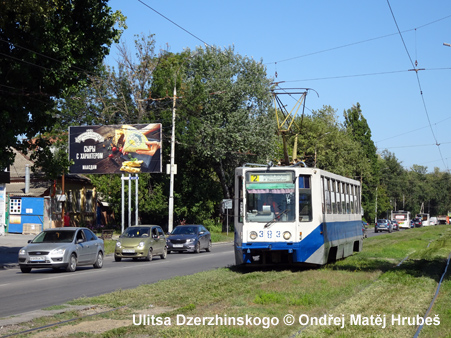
{"x": 419, "y": 84}
{"x": 174, "y": 23}
{"x": 356, "y": 43}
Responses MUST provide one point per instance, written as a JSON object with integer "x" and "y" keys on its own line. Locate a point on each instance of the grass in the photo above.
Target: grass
{"x": 366, "y": 285}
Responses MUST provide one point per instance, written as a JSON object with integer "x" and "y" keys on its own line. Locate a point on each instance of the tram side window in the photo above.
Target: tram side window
{"x": 332, "y": 196}
{"x": 305, "y": 199}
{"x": 351, "y": 194}
{"x": 327, "y": 195}
{"x": 348, "y": 199}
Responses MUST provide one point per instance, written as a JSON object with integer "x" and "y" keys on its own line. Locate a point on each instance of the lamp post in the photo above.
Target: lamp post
{"x": 317, "y": 143}
{"x": 173, "y": 166}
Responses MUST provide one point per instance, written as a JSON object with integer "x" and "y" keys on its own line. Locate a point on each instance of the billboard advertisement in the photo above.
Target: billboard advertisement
{"x": 116, "y": 149}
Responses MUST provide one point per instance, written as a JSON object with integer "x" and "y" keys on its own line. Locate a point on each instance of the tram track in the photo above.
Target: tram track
{"x": 419, "y": 327}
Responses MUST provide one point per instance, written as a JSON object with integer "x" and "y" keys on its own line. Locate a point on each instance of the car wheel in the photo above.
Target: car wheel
{"x": 25, "y": 270}
{"x": 209, "y": 247}
{"x": 72, "y": 266}
{"x": 197, "y": 250}
{"x": 149, "y": 256}
{"x": 165, "y": 253}
{"x": 117, "y": 259}
{"x": 99, "y": 261}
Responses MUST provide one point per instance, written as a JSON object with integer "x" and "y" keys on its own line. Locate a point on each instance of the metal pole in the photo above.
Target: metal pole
{"x": 136, "y": 199}
{"x": 171, "y": 167}
{"x": 129, "y": 200}
{"x": 123, "y": 204}
{"x": 227, "y": 213}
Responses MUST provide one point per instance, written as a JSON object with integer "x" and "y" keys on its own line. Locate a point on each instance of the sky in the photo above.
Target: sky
{"x": 349, "y": 52}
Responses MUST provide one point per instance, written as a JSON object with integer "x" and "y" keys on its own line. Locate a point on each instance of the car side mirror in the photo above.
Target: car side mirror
{"x": 80, "y": 240}
{"x": 201, "y": 233}
{"x": 29, "y": 241}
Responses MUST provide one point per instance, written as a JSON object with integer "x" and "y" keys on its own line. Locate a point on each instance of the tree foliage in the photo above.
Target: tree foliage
{"x": 46, "y": 47}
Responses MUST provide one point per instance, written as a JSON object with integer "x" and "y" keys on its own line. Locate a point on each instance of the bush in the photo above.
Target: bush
{"x": 213, "y": 225}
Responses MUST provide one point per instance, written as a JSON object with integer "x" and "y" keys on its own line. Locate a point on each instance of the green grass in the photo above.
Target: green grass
{"x": 368, "y": 284}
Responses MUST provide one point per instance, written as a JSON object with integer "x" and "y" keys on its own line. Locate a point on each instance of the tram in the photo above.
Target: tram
{"x": 294, "y": 214}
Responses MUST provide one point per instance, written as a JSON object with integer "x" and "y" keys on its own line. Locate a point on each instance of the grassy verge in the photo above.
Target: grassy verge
{"x": 354, "y": 292}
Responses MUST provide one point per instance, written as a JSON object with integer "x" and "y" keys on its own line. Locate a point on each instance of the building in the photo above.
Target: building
{"x": 32, "y": 199}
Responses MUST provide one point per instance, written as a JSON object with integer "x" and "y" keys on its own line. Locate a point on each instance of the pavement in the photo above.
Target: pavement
{"x": 10, "y": 244}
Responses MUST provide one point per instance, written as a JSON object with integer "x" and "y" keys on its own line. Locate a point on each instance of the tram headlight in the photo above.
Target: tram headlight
{"x": 286, "y": 235}
{"x": 253, "y": 235}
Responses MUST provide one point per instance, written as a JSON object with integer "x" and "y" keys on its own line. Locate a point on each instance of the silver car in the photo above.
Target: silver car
{"x": 65, "y": 248}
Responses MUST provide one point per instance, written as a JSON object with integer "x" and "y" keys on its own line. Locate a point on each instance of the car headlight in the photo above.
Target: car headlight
{"x": 141, "y": 245}
{"x": 22, "y": 252}
{"x": 189, "y": 240}
{"x": 286, "y": 235}
{"x": 253, "y": 235}
{"x": 118, "y": 245}
{"x": 57, "y": 252}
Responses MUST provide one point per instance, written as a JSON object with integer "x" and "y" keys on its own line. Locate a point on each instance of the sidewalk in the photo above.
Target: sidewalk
{"x": 10, "y": 245}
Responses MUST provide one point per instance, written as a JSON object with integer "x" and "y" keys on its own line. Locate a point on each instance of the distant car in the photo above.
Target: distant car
{"x": 192, "y": 237}
{"x": 383, "y": 225}
{"x": 364, "y": 229}
{"x": 66, "y": 247}
{"x": 417, "y": 222}
{"x": 142, "y": 241}
{"x": 395, "y": 225}
{"x": 412, "y": 224}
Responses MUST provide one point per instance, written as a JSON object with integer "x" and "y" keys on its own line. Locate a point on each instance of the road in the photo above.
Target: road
{"x": 42, "y": 288}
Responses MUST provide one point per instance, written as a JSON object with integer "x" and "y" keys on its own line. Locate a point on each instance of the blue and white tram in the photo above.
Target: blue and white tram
{"x": 314, "y": 216}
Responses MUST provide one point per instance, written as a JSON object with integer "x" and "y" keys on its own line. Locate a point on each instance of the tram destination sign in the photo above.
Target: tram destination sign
{"x": 270, "y": 177}
{"x": 115, "y": 149}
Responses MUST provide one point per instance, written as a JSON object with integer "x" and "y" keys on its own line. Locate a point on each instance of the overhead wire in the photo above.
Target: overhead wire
{"x": 419, "y": 85}
{"x": 176, "y": 24}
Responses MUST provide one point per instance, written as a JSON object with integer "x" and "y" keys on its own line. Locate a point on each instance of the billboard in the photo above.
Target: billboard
{"x": 116, "y": 149}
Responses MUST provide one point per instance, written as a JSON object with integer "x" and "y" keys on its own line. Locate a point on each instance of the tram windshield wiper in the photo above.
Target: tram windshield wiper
{"x": 276, "y": 219}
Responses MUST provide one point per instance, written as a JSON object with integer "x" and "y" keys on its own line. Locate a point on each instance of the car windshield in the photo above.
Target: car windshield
{"x": 55, "y": 237}
{"x": 381, "y": 221}
{"x": 136, "y": 232}
{"x": 185, "y": 230}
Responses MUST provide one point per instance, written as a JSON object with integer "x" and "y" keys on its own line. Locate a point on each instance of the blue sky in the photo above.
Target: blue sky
{"x": 347, "y": 51}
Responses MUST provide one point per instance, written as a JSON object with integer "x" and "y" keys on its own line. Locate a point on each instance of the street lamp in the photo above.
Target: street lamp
{"x": 172, "y": 166}
{"x": 317, "y": 144}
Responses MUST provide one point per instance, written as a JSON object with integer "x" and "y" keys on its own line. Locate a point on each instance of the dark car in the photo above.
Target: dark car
{"x": 141, "y": 241}
{"x": 192, "y": 237}
{"x": 383, "y": 225}
{"x": 65, "y": 248}
{"x": 395, "y": 225}
{"x": 417, "y": 222}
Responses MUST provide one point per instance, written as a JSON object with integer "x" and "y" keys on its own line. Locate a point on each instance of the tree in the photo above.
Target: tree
{"x": 222, "y": 122}
{"x": 46, "y": 47}
{"x": 368, "y": 168}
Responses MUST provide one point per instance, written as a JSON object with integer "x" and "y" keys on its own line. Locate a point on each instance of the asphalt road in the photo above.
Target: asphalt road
{"x": 42, "y": 288}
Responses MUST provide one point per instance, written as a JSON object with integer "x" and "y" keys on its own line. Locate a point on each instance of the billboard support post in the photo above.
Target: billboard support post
{"x": 136, "y": 199}
{"x": 123, "y": 204}
{"x": 129, "y": 200}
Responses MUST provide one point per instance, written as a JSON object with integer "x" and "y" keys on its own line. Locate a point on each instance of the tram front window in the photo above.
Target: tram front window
{"x": 269, "y": 206}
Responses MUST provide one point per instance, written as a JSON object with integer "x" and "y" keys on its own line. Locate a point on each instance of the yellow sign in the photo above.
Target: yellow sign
{"x": 255, "y": 178}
